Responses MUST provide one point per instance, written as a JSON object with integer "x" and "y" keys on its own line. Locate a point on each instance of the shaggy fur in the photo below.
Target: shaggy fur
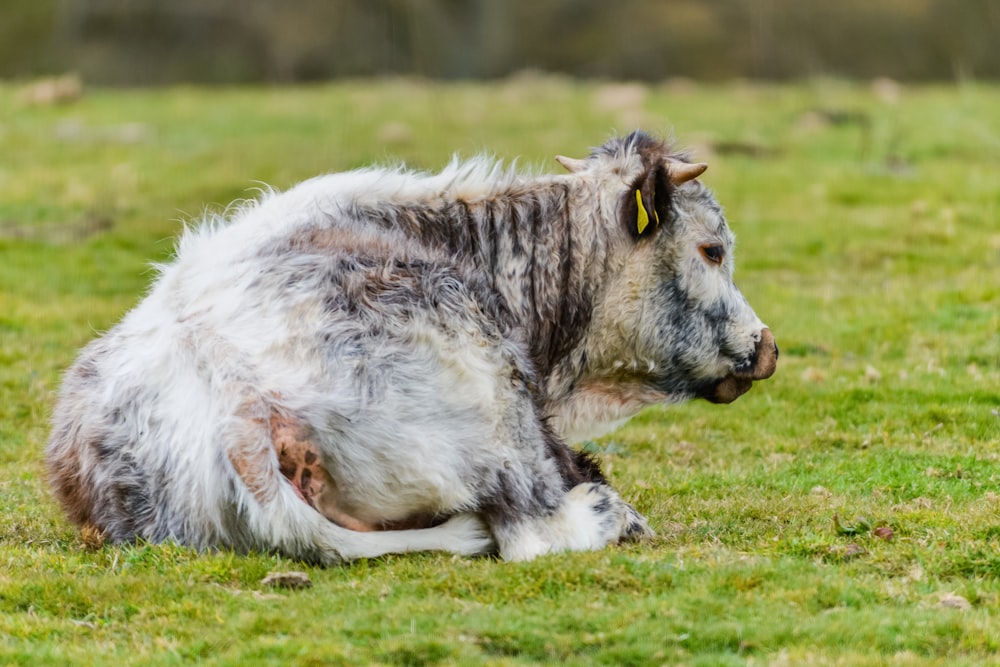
{"x": 386, "y": 361}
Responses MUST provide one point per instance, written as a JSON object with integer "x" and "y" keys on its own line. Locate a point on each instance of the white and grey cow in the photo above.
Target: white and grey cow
{"x": 384, "y": 361}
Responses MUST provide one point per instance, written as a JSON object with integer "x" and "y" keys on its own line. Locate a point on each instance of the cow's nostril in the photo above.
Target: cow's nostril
{"x": 776, "y": 352}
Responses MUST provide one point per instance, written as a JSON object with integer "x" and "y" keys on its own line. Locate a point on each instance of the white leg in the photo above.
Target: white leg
{"x": 591, "y": 516}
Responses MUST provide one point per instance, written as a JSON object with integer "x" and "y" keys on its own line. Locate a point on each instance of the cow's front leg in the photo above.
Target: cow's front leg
{"x": 590, "y": 516}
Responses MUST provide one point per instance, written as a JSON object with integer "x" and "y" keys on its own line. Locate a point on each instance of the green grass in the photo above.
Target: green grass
{"x": 869, "y": 240}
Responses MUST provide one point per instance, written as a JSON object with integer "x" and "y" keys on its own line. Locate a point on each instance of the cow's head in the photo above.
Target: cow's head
{"x": 670, "y": 318}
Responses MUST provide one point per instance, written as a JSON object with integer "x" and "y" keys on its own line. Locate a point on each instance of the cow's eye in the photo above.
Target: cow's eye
{"x": 713, "y": 252}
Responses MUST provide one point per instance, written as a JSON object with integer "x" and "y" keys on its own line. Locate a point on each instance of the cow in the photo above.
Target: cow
{"x": 385, "y": 361}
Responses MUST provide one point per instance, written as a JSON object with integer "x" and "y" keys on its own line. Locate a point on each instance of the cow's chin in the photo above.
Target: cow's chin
{"x": 726, "y": 390}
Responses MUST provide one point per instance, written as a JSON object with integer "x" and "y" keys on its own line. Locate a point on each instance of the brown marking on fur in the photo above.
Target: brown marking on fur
{"x": 252, "y": 462}
{"x": 621, "y": 395}
{"x": 253, "y": 469}
{"x": 64, "y": 475}
{"x": 324, "y": 240}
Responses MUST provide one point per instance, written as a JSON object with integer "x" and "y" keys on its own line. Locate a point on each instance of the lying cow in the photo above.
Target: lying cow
{"x": 384, "y": 361}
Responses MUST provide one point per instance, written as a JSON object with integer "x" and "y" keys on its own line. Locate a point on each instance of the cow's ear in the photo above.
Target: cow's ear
{"x": 647, "y": 204}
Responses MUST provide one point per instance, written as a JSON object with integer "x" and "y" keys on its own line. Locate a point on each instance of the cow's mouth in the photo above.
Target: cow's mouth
{"x": 728, "y": 389}
{"x": 739, "y": 381}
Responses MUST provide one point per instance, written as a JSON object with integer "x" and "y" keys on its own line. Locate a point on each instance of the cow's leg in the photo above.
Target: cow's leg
{"x": 274, "y": 515}
{"x": 590, "y": 516}
{"x": 551, "y": 498}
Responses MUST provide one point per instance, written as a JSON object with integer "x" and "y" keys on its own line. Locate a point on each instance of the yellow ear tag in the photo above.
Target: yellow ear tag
{"x": 643, "y": 220}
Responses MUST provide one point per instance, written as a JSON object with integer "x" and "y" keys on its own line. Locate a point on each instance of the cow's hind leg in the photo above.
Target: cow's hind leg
{"x": 273, "y": 515}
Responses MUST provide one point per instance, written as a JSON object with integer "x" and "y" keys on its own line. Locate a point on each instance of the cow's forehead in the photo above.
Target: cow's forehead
{"x": 701, "y": 213}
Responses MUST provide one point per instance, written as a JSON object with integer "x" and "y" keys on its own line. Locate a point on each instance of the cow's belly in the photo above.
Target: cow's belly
{"x": 368, "y": 488}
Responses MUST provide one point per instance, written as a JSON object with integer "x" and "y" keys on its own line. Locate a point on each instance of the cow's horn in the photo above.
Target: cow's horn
{"x": 682, "y": 172}
{"x": 572, "y": 165}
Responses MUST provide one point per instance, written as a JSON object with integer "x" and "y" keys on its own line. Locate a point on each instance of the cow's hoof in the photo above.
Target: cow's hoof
{"x": 636, "y": 528}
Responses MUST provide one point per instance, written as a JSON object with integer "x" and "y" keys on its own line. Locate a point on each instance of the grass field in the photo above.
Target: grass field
{"x": 846, "y": 512}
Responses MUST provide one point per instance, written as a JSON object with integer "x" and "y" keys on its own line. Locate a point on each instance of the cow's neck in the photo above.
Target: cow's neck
{"x": 542, "y": 265}
{"x": 524, "y": 242}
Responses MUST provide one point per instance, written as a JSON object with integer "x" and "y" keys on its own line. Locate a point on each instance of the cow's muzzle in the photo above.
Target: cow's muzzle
{"x": 760, "y": 367}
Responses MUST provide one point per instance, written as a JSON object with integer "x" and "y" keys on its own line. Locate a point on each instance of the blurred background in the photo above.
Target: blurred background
{"x": 152, "y": 42}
